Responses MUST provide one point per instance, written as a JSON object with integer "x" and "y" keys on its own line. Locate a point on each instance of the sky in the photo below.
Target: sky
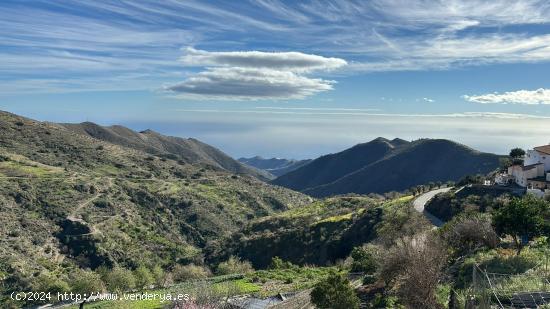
{"x": 285, "y": 78}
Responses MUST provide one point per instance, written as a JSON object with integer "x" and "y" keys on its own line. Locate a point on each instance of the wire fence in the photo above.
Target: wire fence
{"x": 494, "y": 290}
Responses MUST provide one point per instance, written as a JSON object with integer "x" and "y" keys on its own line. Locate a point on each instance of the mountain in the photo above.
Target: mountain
{"x": 71, "y": 201}
{"x": 274, "y": 166}
{"x": 329, "y": 168}
{"x": 384, "y": 165}
{"x": 188, "y": 150}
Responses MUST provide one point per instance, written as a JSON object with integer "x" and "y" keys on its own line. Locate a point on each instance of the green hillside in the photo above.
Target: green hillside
{"x": 320, "y": 233}
{"x": 72, "y": 201}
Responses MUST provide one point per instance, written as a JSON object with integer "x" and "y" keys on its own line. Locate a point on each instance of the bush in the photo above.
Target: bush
{"x": 189, "y": 272}
{"x": 144, "y": 278}
{"x": 335, "y": 292}
{"x": 86, "y": 282}
{"x": 278, "y": 263}
{"x": 469, "y": 232}
{"x": 413, "y": 266}
{"x": 363, "y": 260}
{"x": 118, "y": 279}
{"x": 234, "y": 266}
{"x": 48, "y": 283}
{"x": 159, "y": 276}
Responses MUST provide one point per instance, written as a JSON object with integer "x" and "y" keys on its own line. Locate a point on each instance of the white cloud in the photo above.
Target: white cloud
{"x": 288, "y": 61}
{"x": 60, "y": 41}
{"x": 254, "y": 75}
{"x": 529, "y": 97}
{"x": 428, "y": 100}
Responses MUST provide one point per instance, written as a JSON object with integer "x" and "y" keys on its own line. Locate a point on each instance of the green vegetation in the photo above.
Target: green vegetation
{"x": 334, "y": 292}
{"x": 234, "y": 266}
{"x": 363, "y": 260}
{"x": 167, "y": 222}
{"x": 472, "y": 199}
{"x": 311, "y": 235}
{"x": 182, "y": 273}
{"x": 523, "y": 219}
{"x": 65, "y": 212}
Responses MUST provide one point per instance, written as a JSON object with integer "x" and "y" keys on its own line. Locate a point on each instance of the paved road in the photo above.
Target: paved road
{"x": 421, "y": 201}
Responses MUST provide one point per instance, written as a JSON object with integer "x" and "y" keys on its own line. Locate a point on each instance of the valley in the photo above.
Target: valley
{"x": 89, "y": 208}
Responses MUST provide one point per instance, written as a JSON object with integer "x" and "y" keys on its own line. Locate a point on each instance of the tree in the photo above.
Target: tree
{"x": 517, "y": 153}
{"x": 335, "y": 292}
{"x": 522, "y": 218}
{"x": 505, "y": 163}
{"x": 363, "y": 261}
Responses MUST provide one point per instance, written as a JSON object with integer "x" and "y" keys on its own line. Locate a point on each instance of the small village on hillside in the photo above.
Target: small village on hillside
{"x": 531, "y": 172}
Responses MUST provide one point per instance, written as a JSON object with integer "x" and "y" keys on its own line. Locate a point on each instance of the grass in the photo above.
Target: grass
{"x": 231, "y": 287}
{"x": 327, "y": 207}
{"x": 345, "y": 217}
{"x": 27, "y": 168}
{"x": 290, "y": 279}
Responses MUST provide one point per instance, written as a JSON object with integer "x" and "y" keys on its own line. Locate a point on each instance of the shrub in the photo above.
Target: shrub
{"x": 335, "y": 292}
{"x": 189, "y": 272}
{"x": 144, "y": 278}
{"x": 102, "y": 203}
{"x": 86, "y": 282}
{"x": 48, "y": 283}
{"x": 278, "y": 263}
{"x": 159, "y": 276}
{"x": 118, "y": 279}
{"x": 469, "y": 232}
{"x": 234, "y": 266}
{"x": 413, "y": 266}
{"x": 363, "y": 260}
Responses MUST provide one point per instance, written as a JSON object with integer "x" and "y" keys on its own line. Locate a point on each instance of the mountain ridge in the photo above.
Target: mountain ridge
{"x": 382, "y": 165}
{"x": 189, "y": 150}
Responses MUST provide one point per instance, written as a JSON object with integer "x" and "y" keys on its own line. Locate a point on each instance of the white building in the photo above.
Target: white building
{"x": 534, "y": 174}
{"x": 539, "y": 154}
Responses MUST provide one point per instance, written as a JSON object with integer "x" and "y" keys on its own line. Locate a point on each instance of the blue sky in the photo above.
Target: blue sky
{"x": 282, "y": 78}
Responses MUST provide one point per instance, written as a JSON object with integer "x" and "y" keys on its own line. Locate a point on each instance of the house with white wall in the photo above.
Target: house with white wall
{"x": 533, "y": 174}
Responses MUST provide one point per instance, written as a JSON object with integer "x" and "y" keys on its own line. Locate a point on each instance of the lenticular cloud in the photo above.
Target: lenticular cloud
{"x": 254, "y": 75}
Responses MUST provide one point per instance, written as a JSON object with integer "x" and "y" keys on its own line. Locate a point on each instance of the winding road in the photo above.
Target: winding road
{"x": 420, "y": 202}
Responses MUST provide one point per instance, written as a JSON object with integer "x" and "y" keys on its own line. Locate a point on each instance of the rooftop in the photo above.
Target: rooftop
{"x": 543, "y": 149}
{"x": 531, "y": 166}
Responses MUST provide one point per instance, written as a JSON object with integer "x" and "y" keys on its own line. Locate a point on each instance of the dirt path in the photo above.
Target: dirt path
{"x": 420, "y": 202}
{"x": 72, "y": 216}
